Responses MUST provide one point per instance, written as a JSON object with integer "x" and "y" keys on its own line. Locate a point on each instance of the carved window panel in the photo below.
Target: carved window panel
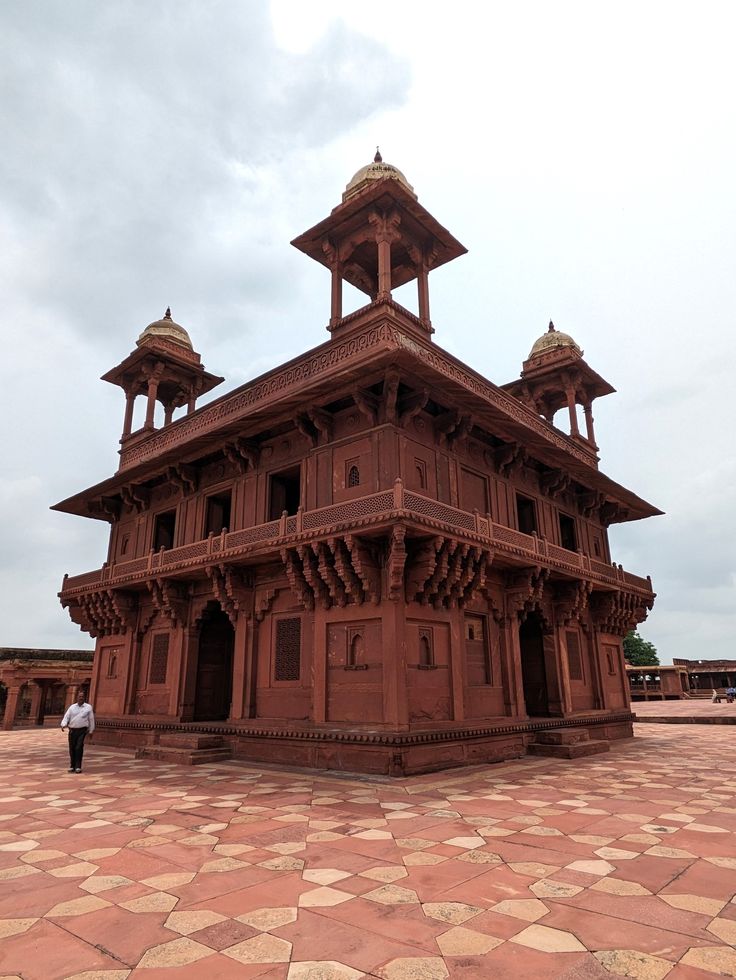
{"x": 611, "y": 653}
{"x": 574, "y": 655}
{"x": 124, "y": 544}
{"x": 477, "y": 653}
{"x": 418, "y": 476}
{"x": 352, "y": 473}
{"x": 159, "y": 658}
{"x": 288, "y": 649}
{"x": 355, "y": 655}
{"x": 426, "y": 649}
{"x": 112, "y": 661}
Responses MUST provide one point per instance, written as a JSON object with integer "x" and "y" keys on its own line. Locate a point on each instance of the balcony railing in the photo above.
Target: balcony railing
{"x": 353, "y": 515}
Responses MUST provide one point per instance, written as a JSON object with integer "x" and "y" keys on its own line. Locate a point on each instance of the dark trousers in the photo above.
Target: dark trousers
{"x": 76, "y": 746}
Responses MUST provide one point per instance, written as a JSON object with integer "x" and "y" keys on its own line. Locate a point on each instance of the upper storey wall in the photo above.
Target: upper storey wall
{"x": 360, "y": 458}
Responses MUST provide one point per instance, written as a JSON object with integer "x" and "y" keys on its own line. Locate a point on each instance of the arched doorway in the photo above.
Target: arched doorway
{"x": 533, "y": 671}
{"x": 214, "y": 667}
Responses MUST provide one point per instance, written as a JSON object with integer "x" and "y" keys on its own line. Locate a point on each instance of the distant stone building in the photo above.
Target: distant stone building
{"x": 704, "y": 675}
{"x": 37, "y": 686}
{"x": 662, "y": 683}
{"x": 370, "y": 558}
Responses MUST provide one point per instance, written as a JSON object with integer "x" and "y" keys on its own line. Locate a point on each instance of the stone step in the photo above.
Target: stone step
{"x": 576, "y": 750}
{"x": 187, "y": 740}
{"x": 183, "y": 756}
{"x": 562, "y": 736}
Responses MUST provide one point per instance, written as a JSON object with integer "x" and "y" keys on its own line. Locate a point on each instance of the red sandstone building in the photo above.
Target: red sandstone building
{"x": 370, "y": 558}
{"x": 37, "y": 686}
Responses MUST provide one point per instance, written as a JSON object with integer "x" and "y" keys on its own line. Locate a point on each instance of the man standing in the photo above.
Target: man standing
{"x": 80, "y": 720}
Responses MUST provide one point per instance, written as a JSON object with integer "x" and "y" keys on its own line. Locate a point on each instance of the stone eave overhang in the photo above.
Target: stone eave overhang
{"x": 377, "y": 337}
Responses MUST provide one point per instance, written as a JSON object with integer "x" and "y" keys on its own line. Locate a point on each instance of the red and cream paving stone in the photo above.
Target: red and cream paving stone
{"x": 536, "y": 868}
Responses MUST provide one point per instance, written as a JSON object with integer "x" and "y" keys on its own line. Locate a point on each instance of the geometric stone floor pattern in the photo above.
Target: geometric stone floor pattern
{"x": 617, "y": 865}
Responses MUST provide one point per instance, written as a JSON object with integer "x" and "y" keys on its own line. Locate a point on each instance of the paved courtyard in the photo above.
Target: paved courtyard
{"x": 623, "y": 864}
{"x": 698, "y": 709}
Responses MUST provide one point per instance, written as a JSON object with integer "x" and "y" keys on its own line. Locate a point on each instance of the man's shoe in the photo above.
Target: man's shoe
{"x": 77, "y": 770}
{"x": 71, "y": 769}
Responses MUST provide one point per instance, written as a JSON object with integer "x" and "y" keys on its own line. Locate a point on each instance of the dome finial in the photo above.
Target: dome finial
{"x": 167, "y": 314}
{"x": 378, "y": 158}
{"x": 551, "y": 327}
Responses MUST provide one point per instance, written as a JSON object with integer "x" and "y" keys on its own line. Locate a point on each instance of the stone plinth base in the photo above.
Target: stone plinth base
{"x": 379, "y": 753}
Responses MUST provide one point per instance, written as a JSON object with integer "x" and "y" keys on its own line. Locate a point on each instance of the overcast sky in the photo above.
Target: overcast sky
{"x": 164, "y": 152}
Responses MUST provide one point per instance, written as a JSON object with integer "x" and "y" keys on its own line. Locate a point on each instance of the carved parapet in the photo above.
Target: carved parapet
{"x": 618, "y": 612}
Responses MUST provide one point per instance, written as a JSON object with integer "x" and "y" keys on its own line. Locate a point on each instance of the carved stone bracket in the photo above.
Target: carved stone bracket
{"x": 570, "y": 601}
{"x": 103, "y": 612}
{"x": 589, "y": 501}
{"x": 367, "y": 404}
{"x": 554, "y": 482}
{"x": 525, "y": 594}
{"x": 243, "y": 453}
{"x": 509, "y": 458}
{"x": 395, "y": 562}
{"x": 264, "y": 601}
{"x": 339, "y": 571}
{"x": 169, "y": 598}
{"x": 618, "y": 612}
{"x": 137, "y": 496}
{"x": 231, "y": 589}
{"x": 412, "y": 405}
{"x": 389, "y": 398}
{"x": 445, "y": 572}
{"x": 613, "y": 513}
{"x": 106, "y": 507}
{"x": 184, "y": 476}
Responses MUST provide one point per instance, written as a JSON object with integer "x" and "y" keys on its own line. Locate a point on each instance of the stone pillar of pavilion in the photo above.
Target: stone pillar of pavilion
{"x": 377, "y": 239}
{"x": 163, "y": 368}
{"x": 11, "y": 706}
{"x": 555, "y": 377}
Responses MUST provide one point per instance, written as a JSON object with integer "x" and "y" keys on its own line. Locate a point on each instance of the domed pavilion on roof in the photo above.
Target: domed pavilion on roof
{"x": 371, "y": 558}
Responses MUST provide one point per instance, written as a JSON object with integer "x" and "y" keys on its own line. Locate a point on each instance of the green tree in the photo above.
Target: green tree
{"x": 639, "y": 652}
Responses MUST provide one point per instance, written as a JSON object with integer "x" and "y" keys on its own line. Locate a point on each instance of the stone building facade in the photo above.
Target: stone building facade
{"x": 371, "y": 558}
{"x": 37, "y": 686}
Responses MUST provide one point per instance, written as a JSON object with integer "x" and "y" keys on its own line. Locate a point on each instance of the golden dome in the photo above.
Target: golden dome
{"x": 552, "y": 340}
{"x": 375, "y": 171}
{"x": 166, "y": 327}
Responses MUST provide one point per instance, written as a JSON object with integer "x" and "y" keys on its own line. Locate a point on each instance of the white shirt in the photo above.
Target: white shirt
{"x": 79, "y": 716}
